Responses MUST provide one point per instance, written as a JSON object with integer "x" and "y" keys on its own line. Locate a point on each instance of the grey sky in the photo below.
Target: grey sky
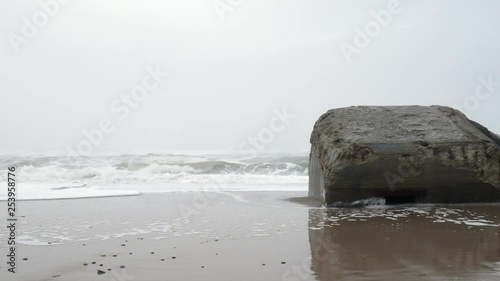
{"x": 227, "y": 76}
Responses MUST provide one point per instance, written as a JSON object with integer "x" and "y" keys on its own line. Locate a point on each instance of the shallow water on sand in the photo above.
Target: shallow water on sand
{"x": 254, "y": 236}
{"x": 417, "y": 243}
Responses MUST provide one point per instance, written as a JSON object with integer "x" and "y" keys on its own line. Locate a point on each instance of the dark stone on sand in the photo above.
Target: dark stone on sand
{"x": 202, "y": 266}
{"x": 162, "y": 259}
{"x": 25, "y": 259}
{"x": 283, "y": 262}
{"x": 405, "y": 154}
{"x": 122, "y": 266}
{"x": 123, "y": 245}
{"x": 93, "y": 262}
{"x": 85, "y": 264}
{"x": 101, "y": 264}
{"x": 114, "y": 256}
{"x": 173, "y": 258}
{"x": 100, "y": 272}
{"x": 152, "y": 253}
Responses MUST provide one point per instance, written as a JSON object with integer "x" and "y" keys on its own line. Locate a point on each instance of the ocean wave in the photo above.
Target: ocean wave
{"x": 158, "y": 168}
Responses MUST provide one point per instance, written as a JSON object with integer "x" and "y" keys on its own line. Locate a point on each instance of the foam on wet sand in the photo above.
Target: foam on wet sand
{"x": 263, "y": 236}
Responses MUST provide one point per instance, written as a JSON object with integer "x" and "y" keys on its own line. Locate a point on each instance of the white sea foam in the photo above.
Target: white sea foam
{"x": 213, "y": 187}
{"x": 39, "y": 191}
{"x": 52, "y": 177}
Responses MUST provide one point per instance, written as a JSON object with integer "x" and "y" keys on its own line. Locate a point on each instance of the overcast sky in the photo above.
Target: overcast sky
{"x": 230, "y": 69}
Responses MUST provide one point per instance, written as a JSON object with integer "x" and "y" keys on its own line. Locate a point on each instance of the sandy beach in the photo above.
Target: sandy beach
{"x": 251, "y": 236}
{"x": 231, "y": 140}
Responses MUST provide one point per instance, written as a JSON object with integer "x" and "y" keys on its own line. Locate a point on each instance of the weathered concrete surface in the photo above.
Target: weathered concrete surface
{"x": 403, "y": 153}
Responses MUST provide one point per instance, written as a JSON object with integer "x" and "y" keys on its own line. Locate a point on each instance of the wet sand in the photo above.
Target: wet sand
{"x": 252, "y": 236}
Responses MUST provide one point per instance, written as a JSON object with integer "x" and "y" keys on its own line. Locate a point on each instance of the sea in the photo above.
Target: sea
{"x": 253, "y": 205}
{"x": 120, "y": 174}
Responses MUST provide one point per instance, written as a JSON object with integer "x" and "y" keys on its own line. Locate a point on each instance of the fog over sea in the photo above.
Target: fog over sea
{"x": 57, "y": 177}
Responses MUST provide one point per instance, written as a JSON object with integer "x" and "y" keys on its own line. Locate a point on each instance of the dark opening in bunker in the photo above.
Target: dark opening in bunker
{"x": 397, "y": 200}
{"x": 405, "y": 198}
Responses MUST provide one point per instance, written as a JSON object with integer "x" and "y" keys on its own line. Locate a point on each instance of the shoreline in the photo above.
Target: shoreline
{"x": 257, "y": 236}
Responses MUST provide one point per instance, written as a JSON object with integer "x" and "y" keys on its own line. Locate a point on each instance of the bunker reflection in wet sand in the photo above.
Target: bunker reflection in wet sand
{"x": 405, "y": 243}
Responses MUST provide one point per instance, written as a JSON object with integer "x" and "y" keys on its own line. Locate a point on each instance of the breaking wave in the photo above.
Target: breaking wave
{"x": 84, "y": 176}
{"x": 157, "y": 168}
